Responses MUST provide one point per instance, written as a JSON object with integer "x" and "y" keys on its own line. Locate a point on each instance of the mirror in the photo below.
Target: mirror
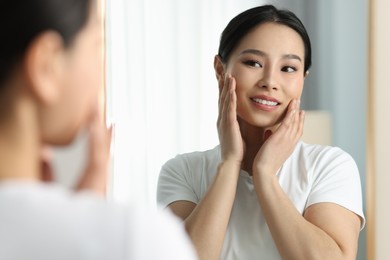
{"x": 160, "y": 60}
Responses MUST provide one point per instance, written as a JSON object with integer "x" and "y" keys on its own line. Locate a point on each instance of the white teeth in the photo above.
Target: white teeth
{"x": 265, "y": 102}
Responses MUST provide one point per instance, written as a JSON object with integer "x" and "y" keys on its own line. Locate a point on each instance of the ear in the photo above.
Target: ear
{"x": 306, "y": 74}
{"x": 219, "y": 68}
{"x": 44, "y": 66}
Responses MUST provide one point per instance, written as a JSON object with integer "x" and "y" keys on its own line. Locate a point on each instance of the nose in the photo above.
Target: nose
{"x": 269, "y": 79}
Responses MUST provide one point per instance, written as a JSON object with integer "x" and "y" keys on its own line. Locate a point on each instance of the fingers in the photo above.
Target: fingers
{"x": 221, "y": 83}
{"x": 228, "y": 128}
{"x": 96, "y": 172}
{"x": 222, "y": 93}
{"x": 232, "y": 106}
{"x": 226, "y": 99}
{"x": 99, "y": 141}
{"x": 292, "y": 124}
{"x": 229, "y": 102}
{"x": 292, "y": 111}
{"x": 301, "y": 122}
{"x": 227, "y": 96}
{"x": 298, "y": 122}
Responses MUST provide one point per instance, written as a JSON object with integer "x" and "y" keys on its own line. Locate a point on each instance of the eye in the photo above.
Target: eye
{"x": 289, "y": 69}
{"x": 253, "y": 63}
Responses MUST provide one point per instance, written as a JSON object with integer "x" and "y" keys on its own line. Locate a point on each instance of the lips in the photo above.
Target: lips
{"x": 265, "y": 100}
{"x": 265, "y": 103}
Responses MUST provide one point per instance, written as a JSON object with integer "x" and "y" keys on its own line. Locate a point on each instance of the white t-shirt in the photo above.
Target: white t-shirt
{"x": 46, "y": 222}
{"x": 312, "y": 174}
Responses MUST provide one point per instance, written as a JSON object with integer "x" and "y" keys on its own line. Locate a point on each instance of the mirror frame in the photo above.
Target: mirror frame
{"x": 378, "y": 129}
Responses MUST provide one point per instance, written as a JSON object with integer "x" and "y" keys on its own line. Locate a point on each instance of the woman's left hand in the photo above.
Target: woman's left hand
{"x": 278, "y": 146}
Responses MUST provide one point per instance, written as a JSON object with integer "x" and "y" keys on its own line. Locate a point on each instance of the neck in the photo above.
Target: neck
{"x": 20, "y": 143}
{"x": 254, "y": 138}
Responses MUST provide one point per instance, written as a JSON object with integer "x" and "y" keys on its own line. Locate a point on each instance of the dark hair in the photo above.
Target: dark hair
{"x": 243, "y": 23}
{"x": 21, "y": 21}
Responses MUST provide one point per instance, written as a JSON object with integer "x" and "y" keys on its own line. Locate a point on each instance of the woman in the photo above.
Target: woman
{"x": 263, "y": 193}
{"x": 50, "y": 71}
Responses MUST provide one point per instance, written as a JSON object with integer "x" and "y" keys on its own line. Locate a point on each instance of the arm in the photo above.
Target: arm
{"x": 325, "y": 231}
{"x": 206, "y": 223}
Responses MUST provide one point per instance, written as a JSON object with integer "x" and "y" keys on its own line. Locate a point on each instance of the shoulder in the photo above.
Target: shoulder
{"x": 321, "y": 156}
{"x": 320, "y": 165}
{"x": 333, "y": 176}
{"x": 187, "y": 176}
{"x": 194, "y": 161}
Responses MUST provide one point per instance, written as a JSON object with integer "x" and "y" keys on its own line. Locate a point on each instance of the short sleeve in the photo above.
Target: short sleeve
{"x": 336, "y": 179}
{"x": 175, "y": 183}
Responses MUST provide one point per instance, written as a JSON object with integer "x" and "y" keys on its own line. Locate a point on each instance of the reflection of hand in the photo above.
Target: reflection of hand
{"x": 96, "y": 172}
{"x": 278, "y": 146}
{"x": 232, "y": 146}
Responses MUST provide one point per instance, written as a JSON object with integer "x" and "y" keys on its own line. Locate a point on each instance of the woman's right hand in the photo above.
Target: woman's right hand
{"x": 279, "y": 145}
{"x": 231, "y": 142}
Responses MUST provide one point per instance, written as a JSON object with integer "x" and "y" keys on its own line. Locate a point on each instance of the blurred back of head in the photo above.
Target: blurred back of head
{"x": 21, "y": 21}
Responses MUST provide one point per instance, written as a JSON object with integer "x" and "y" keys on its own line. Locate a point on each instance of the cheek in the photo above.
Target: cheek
{"x": 84, "y": 82}
{"x": 295, "y": 87}
{"x": 245, "y": 79}
{"x": 88, "y": 75}
{"x": 88, "y": 66}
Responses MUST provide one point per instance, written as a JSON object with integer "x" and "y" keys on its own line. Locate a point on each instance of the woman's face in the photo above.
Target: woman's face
{"x": 268, "y": 65}
{"x": 80, "y": 83}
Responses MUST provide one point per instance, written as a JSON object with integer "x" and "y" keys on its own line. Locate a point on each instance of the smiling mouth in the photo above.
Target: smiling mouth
{"x": 264, "y": 102}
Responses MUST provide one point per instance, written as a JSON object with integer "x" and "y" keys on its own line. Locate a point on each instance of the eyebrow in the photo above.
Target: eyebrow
{"x": 263, "y": 54}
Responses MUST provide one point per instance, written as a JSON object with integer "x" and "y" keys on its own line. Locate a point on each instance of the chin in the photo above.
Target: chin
{"x": 262, "y": 121}
{"x": 66, "y": 137}
{"x": 64, "y": 140}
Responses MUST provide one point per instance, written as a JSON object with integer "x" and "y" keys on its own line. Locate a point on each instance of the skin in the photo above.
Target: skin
{"x": 54, "y": 94}
{"x": 259, "y": 141}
